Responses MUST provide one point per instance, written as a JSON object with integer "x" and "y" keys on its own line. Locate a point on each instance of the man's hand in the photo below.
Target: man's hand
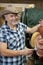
{"x": 27, "y": 51}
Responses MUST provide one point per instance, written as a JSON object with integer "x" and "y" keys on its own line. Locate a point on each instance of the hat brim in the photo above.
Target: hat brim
{"x": 5, "y": 12}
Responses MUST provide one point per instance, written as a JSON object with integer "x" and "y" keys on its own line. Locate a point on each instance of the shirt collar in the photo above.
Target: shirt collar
{"x": 11, "y": 30}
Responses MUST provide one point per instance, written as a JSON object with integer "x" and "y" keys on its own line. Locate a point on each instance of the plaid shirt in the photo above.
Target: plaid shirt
{"x": 15, "y": 41}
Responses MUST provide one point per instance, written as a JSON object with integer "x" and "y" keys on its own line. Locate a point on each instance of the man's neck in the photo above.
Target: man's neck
{"x": 11, "y": 26}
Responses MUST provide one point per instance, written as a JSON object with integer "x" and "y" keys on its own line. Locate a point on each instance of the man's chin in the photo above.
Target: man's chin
{"x": 15, "y": 23}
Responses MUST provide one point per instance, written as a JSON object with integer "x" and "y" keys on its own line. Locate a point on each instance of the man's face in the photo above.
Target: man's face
{"x": 12, "y": 18}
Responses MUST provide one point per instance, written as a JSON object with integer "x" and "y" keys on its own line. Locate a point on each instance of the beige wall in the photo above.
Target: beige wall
{"x": 20, "y": 6}
{"x": 38, "y": 3}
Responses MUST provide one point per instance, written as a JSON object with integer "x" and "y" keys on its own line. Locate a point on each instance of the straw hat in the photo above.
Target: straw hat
{"x": 9, "y": 9}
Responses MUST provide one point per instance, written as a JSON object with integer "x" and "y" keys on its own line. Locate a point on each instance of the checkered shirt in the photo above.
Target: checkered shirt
{"x": 15, "y": 41}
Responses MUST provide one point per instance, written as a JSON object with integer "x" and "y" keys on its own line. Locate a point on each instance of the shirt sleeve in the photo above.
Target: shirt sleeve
{"x": 2, "y": 36}
{"x": 24, "y": 27}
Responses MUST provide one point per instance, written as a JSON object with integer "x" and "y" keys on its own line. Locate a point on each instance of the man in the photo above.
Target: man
{"x": 12, "y": 38}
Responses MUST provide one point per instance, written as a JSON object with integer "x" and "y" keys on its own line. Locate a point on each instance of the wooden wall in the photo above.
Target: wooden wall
{"x": 38, "y": 3}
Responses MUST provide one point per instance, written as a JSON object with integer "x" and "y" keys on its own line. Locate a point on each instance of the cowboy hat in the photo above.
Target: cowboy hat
{"x": 9, "y": 9}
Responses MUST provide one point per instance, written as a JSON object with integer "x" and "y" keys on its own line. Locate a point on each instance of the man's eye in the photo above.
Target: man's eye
{"x": 11, "y": 16}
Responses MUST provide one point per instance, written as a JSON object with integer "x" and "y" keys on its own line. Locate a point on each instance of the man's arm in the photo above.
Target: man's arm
{"x": 7, "y": 52}
{"x": 10, "y": 53}
{"x": 33, "y": 29}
